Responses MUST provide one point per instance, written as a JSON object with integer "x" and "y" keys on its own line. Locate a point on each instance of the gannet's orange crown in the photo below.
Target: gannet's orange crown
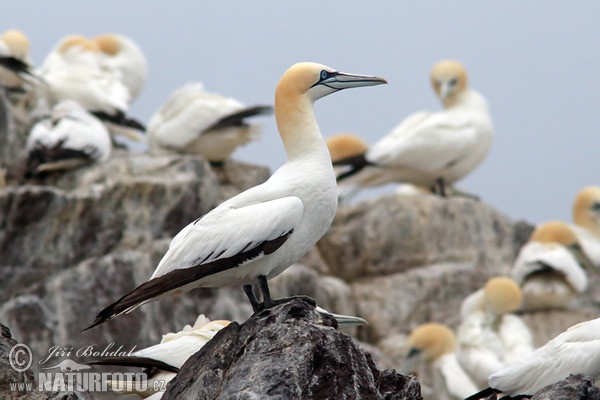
{"x": 448, "y": 79}
{"x": 554, "y": 232}
{"x": 78, "y": 41}
{"x": 586, "y": 209}
{"x": 17, "y": 43}
{"x": 502, "y": 295}
{"x": 108, "y": 44}
{"x": 433, "y": 340}
{"x": 344, "y": 145}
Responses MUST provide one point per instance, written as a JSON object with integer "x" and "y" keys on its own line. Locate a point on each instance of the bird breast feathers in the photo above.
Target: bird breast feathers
{"x": 231, "y": 229}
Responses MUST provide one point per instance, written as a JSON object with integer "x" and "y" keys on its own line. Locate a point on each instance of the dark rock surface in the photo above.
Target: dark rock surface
{"x": 574, "y": 387}
{"x": 288, "y": 352}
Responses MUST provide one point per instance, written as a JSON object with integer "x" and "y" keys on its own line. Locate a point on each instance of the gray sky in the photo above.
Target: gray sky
{"x": 537, "y": 63}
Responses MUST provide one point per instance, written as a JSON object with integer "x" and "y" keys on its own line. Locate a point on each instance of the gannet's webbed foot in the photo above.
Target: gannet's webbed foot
{"x": 269, "y": 302}
{"x": 439, "y": 187}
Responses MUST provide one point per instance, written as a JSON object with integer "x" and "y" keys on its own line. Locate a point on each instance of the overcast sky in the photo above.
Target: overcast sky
{"x": 536, "y": 62}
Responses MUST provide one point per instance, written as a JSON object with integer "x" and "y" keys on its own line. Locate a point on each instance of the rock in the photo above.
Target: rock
{"x": 290, "y": 352}
{"x": 574, "y": 387}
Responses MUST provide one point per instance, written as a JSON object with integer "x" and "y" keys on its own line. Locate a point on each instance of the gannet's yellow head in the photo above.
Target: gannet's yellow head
{"x": 344, "y": 145}
{"x": 108, "y": 44}
{"x": 448, "y": 78}
{"x": 78, "y": 41}
{"x": 554, "y": 232}
{"x": 502, "y": 295}
{"x": 432, "y": 340}
{"x": 17, "y": 43}
{"x": 215, "y": 326}
{"x": 586, "y": 209}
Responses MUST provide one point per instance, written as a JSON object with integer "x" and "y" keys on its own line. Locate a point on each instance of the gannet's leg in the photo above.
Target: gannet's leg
{"x": 252, "y": 297}
{"x": 269, "y": 302}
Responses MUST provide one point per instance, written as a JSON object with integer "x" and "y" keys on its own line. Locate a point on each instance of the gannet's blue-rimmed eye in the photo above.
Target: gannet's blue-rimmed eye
{"x": 453, "y": 81}
{"x": 324, "y": 74}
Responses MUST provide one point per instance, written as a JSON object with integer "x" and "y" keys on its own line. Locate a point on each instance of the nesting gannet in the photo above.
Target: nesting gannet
{"x": 15, "y": 62}
{"x": 68, "y": 138}
{"x": 436, "y": 343}
{"x": 586, "y": 216}
{"x": 574, "y": 351}
{"x": 489, "y": 336}
{"x": 121, "y": 53}
{"x": 164, "y": 360}
{"x": 75, "y": 70}
{"x": 198, "y": 122}
{"x": 432, "y": 149}
{"x": 549, "y": 267}
{"x": 257, "y": 234}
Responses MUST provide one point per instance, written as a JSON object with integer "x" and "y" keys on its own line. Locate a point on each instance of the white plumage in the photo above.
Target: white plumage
{"x": 15, "y": 61}
{"x": 188, "y": 122}
{"x": 68, "y": 138}
{"x": 257, "y": 234}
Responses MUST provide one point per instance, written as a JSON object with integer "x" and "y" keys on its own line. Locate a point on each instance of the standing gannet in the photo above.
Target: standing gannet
{"x": 490, "y": 336}
{"x": 549, "y": 267}
{"x": 165, "y": 359}
{"x": 75, "y": 70}
{"x": 436, "y": 343}
{"x": 15, "y": 62}
{"x": 433, "y": 149}
{"x": 198, "y": 122}
{"x": 257, "y": 234}
{"x": 577, "y": 350}
{"x": 68, "y": 138}
{"x": 586, "y": 216}
{"x": 125, "y": 56}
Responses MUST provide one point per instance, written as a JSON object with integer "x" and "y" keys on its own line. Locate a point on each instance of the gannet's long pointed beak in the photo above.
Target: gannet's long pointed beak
{"x": 340, "y": 80}
{"x": 445, "y": 89}
{"x": 344, "y": 321}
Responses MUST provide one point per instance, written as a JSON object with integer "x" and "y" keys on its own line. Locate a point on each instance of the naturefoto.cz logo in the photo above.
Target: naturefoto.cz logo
{"x": 70, "y": 375}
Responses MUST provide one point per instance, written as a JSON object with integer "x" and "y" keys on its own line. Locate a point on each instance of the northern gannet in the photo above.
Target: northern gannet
{"x": 198, "y": 122}
{"x": 574, "y": 351}
{"x": 15, "y": 62}
{"x": 549, "y": 267}
{"x": 68, "y": 138}
{"x": 586, "y": 216}
{"x": 490, "y": 336}
{"x": 436, "y": 344}
{"x": 165, "y": 359}
{"x": 122, "y": 54}
{"x": 75, "y": 70}
{"x": 257, "y": 234}
{"x": 432, "y": 149}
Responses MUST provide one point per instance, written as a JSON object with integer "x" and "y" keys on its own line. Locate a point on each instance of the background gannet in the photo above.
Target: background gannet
{"x": 489, "y": 336}
{"x": 15, "y": 61}
{"x": 586, "y": 216}
{"x": 164, "y": 360}
{"x": 436, "y": 344}
{"x": 257, "y": 234}
{"x": 433, "y": 149}
{"x": 68, "y": 138}
{"x": 198, "y": 122}
{"x": 122, "y": 54}
{"x": 549, "y": 267}
{"x": 574, "y": 351}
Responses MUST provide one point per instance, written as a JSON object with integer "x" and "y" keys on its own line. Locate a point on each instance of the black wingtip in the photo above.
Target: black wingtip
{"x": 483, "y": 394}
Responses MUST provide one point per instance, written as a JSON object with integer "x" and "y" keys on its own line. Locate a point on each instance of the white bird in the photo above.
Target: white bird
{"x": 431, "y": 149}
{"x": 75, "y": 70}
{"x": 68, "y": 138}
{"x": 574, "y": 351}
{"x": 121, "y": 53}
{"x": 490, "y": 336}
{"x": 198, "y": 122}
{"x": 586, "y": 216}
{"x": 549, "y": 267}
{"x": 436, "y": 343}
{"x": 15, "y": 62}
{"x": 257, "y": 234}
{"x": 165, "y": 359}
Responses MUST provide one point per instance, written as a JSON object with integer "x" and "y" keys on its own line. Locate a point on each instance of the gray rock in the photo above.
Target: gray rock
{"x": 574, "y": 387}
{"x": 287, "y": 352}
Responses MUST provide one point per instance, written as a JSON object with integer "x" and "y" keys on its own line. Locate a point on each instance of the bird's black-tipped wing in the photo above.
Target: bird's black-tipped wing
{"x": 41, "y": 155}
{"x": 354, "y": 164}
{"x": 17, "y": 66}
{"x": 237, "y": 118}
{"x": 483, "y": 394}
{"x": 119, "y": 118}
{"x": 134, "y": 361}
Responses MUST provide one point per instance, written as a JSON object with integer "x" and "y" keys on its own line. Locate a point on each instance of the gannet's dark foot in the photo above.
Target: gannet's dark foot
{"x": 268, "y": 301}
{"x": 275, "y": 302}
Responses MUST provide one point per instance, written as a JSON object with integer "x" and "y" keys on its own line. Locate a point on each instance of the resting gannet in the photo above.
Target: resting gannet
{"x": 432, "y": 149}
{"x": 257, "y": 234}
{"x": 586, "y": 216}
{"x": 15, "y": 62}
{"x": 68, "y": 138}
{"x": 125, "y": 56}
{"x": 195, "y": 121}
{"x": 549, "y": 267}
{"x": 574, "y": 351}
{"x": 436, "y": 343}
{"x": 490, "y": 336}
{"x": 165, "y": 359}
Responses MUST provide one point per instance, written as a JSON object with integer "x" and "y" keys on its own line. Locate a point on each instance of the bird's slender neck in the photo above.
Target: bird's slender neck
{"x": 298, "y": 126}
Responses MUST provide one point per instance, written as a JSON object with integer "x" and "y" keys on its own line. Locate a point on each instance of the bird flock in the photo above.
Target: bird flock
{"x": 79, "y": 97}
